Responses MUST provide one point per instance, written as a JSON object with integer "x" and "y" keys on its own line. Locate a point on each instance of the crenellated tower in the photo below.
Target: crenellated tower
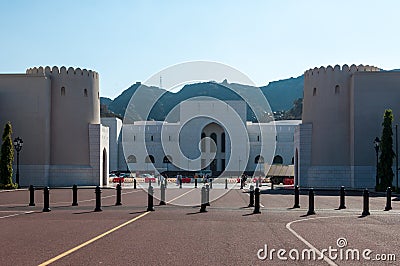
{"x": 75, "y": 103}
{"x": 327, "y": 94}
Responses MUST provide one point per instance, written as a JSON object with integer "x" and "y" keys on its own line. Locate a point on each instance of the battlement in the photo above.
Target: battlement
{"x": 345, "y": 69}
{"x": 62, "y": 71}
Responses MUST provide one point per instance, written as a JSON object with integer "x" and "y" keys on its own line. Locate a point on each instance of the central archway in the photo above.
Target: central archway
{"x": 213, "y": 155}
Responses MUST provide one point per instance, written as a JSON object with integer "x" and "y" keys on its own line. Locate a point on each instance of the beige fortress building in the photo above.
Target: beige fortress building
{"x": 56, "y": 111}
{"x": 342, "y": 114}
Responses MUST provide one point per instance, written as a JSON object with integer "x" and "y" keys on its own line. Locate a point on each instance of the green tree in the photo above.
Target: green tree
{"x": 7, "y": 158}
{"x": 385, "y": 171}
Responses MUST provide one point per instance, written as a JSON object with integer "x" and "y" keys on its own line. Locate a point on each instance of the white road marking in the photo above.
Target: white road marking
{"x": 329, "y": 261}
{"x": 15, "y": 214}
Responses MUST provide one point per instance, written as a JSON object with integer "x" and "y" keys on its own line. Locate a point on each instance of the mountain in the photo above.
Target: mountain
{"x": 280, "y": 94}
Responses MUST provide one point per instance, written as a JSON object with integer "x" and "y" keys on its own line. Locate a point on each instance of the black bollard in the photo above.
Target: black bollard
{"x": 296, "y": 197}
{"x": 342, "y": 198}
{"x": 118, "y": 202}
{"x": 150, "y": 206}
{"x": 195, "y": 183}
{"x": 226, "y": 183}
{"x": 366, "y": 203}
{"x": 149, "y": 183}
{"x": 97, "y": 191}
{"x": 134, "y": 183}
{"x": 251, "y": 204}
{"x": 207, "y": 195}
{"x": 162, "y": 200}
{"x": 241, "y": 183}
{"x": 211, "y": 182}
{"x": 180, "y": 182}
{"x": 257, "y": 201}
{"x": 46, "y": 201}
{"x": 31, "y": 196}
{"x": 388, "y": 199}
{"x": 203, "y": 205}
{"x": 272, "y": 185}
{"x": 311, "y": 210}
{"x": 74, "y": 195}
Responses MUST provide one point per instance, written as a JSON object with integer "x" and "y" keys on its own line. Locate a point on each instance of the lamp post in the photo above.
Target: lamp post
{"x": 18, "y": 147}
{"x": 397, "y": 162}
{"x": 376, "y": 146}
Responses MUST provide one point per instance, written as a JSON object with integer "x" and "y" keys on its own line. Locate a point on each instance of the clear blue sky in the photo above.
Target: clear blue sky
{"x": 128, "y": 41}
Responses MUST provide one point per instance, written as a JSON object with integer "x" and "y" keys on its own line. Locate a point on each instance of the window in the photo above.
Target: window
{"x": 62, "y": 91}
{"x": 258, "y": 138}
{"x": 167, "y": 159}
{"x": 131, "y": 159}
{"x": 223, "y": 142}
{"x": 152, "y": 138}
{"x": 213, "y": 146}
{"x": 169, "y": 138}
{"x": 149, "y": 159}
{"x": 277, "y": 160}
{"x": 314, "y": 91}
{"x": 259, "y": 159}
{"x": 337, "y": 89}
{"x": 85, "y": 92}
{"x": 203, "y": 142}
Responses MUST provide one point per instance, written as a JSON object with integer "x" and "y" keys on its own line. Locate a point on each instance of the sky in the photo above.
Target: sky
{"x": 129, "y": 41}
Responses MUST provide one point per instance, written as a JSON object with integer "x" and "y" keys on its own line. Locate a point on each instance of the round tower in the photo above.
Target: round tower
{"x": 326, "y": 105}
{"x": 75, "y": 103}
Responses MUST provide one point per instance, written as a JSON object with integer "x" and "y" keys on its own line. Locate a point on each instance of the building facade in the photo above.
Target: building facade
{"x": 56, "y": 111}
{"x": 342, "y": 114}
{"x": 201, "y": 139}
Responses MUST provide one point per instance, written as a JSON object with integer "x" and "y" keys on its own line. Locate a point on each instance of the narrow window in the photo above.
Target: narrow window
{"x": 169, "y": 138}
{"x": 337, "y": 89}
{"x": 258, "y": 138}
{"x": 223, "y": 142}
{"x": 62, "y": 91}
{"x": 314, "y": 91}
{"x": 85, "y": 92}
{"x": 152, "y": 138}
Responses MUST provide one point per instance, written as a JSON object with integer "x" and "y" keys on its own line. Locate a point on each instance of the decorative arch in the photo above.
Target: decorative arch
{"x": 277, "y": 160}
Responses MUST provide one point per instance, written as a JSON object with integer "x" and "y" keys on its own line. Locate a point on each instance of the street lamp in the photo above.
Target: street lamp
{"x": 18, "y": 147}
{"x": 377, "y": 142}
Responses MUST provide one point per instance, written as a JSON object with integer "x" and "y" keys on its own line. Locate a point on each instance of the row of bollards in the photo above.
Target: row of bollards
{"x": 342, "y": 203}
{"x": 205, "y": 198}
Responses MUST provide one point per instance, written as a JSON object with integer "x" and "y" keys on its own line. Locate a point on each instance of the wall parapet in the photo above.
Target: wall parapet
{"x": 345, "y": 69}
{"x": 62, "y": 71}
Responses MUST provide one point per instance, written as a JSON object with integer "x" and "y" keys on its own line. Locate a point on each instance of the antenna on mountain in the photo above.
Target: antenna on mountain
{"x": 160, "y": 82}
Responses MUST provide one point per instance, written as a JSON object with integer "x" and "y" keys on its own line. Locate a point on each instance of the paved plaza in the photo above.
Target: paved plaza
{"x": 178, "y": 234}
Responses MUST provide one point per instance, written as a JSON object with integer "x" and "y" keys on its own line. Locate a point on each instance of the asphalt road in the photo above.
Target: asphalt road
{"x": 178, "y": 234}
